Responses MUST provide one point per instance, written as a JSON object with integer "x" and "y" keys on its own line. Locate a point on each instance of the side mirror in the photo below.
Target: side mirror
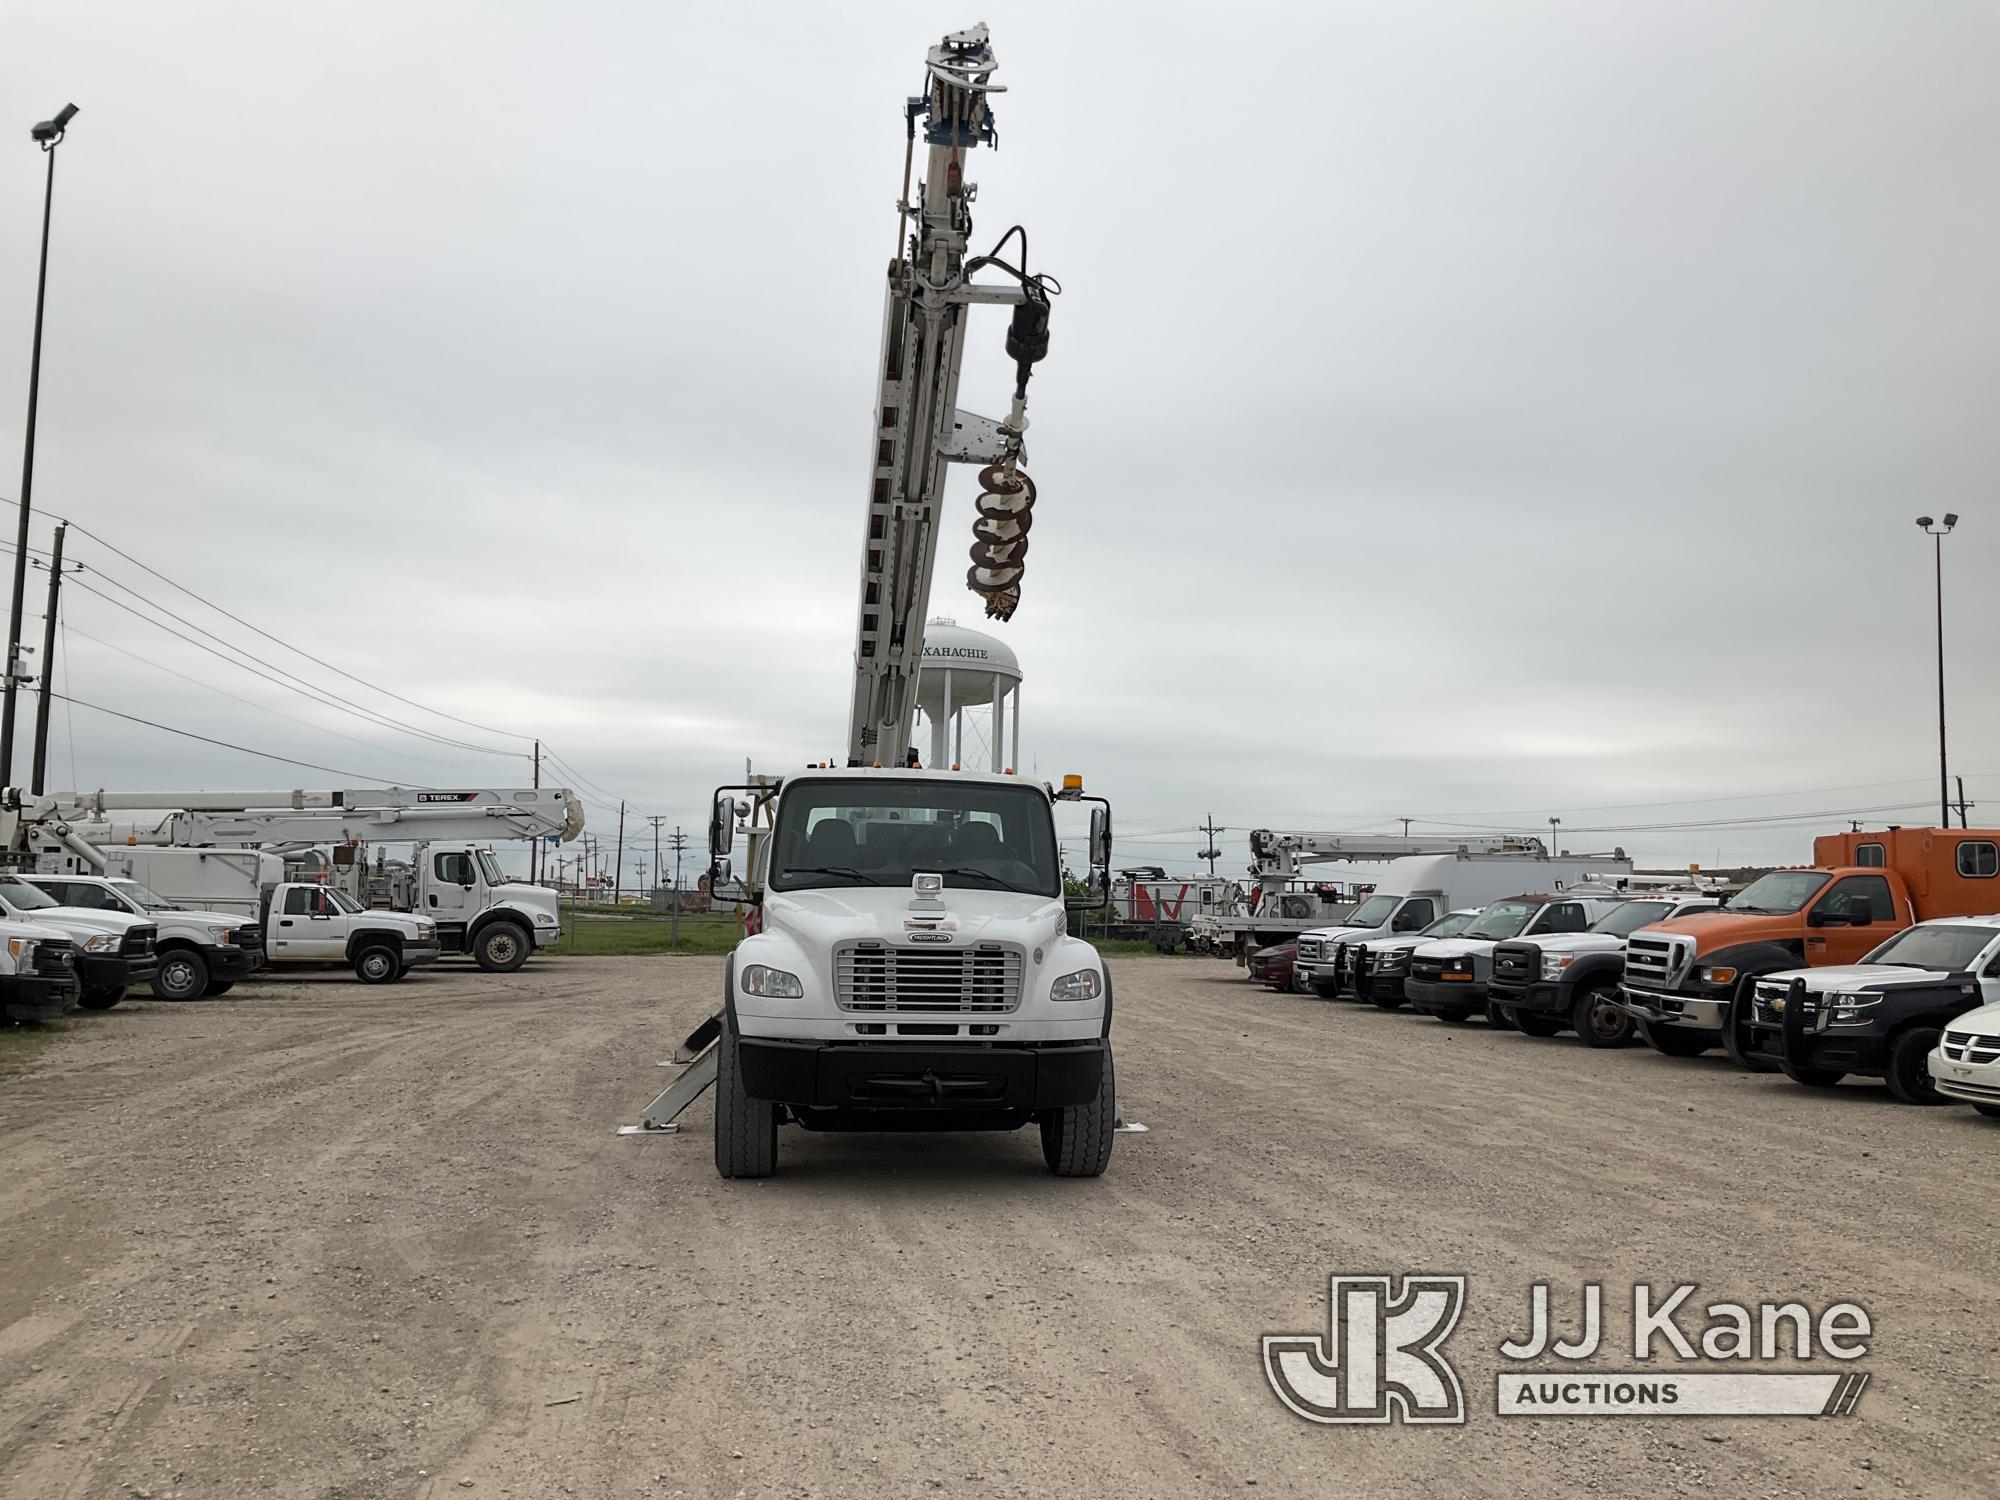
{"x": 1100, "y": 839}
{"x": 1862, "y": 918}
{"x": 722, "y": 826}
{"x": 719, "y": 875}
{"x": 1821, "y": 918}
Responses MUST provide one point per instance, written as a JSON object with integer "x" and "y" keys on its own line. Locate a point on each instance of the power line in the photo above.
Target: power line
{"x": 188, "y": 734}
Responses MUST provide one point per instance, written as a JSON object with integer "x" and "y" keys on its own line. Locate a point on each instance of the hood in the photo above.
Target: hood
{"x": 198, "y": 918}
{"x": 539, "y": 899}
{"x": 1984, "y": 1021}
{"x": 88, "y": 919}
{"x": 1458, "y": 947}
{"x": 1340, "y": 934}
{"x": 38, "y": 931}
{"x": 1402, "y": 943}
{"x": 885, "y": 914}
{"x": 1715, "y": 929}
{"x": 1854, "y": 976}
{"x": 1575, "y": 942}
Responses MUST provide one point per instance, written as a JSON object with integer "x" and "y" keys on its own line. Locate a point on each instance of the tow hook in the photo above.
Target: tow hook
{"x": 937, "y": 1086}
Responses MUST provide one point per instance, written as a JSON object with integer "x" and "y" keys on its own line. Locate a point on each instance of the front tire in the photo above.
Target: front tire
{"x": 1736, "y": 1035}
{"x": 1386, "y": 1002}
{"x": 101, "y": 997}
{"x": 1326, "y": 989}
{"x": 1675, "y": 1041}
{"x": 218, "y": 987}
{"x": 183, "y": 975}
{"x": 1600, "y": 1021}
{"x": 1502, "y": 1017}
{"x": 1909, "y": 1075}
{"x": 1991, "y": 1111}
{"x": 378, "y": 964}
{"x": 1076, "y": 1139}
{"x": 502, "y": 948}
{"x": 1535, "y": 1025}
{"x": 746, "y": 1129}
{"x": 1815, "y": 1078}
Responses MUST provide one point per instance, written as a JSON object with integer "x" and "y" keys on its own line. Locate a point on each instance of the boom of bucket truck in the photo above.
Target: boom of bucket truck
{"x": 453, "y": 880}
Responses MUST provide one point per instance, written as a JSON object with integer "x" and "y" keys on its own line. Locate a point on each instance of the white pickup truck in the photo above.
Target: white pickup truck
{"x": 113, "y": 949}
{"x": 315, "y": 924}
{"x": 200, "y": 952}
{"x": 37, "y": 972}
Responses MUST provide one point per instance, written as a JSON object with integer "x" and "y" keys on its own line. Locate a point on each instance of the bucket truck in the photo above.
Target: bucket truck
{"x": 907, "y": 963}
{"x": 197, "y": 848}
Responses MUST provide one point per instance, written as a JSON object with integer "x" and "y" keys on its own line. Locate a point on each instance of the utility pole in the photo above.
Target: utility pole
{"x": 48, "y": 135}
{"x": 1937, "y": 534}
{"x": 1962, "y": 803}
{"x": 618, "y": 869}
{"x": 1554, "y": 824}
{"x": 656, "y": 820}
{"x": 535, "y": 848}
{"x": 678, "y": 843}
{"x": 1406, "y": 822}
{"x": 41, "y": 761}
{"x": 1211, "y": 853}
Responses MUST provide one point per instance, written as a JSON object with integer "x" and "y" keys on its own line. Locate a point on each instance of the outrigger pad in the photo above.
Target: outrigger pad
{"x": 699, "y": 1040}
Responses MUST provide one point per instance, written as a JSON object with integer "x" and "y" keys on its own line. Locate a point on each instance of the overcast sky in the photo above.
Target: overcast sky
{"x": 1471, "y": 412}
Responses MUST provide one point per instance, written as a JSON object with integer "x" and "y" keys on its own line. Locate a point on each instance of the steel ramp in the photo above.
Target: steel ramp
{"x": 697, "y": 1055}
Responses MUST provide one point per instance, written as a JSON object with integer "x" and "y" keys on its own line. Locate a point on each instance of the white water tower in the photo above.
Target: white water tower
{"x": 966, "y": 672}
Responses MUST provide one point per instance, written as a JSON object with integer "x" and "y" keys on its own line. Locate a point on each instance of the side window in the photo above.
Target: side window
{"x": 1978, "y": 859}
{"x": 1859, "y": 893}
{"x": 455, "y": 869}
{"x": 1563, "y": 916}
{"x": 295, "y": 901}
{"x": 1415, "y": 916}
{"x": 60, "y": 890}
{"x": 1873, "y": 856}
{"x": 323, "y": 905}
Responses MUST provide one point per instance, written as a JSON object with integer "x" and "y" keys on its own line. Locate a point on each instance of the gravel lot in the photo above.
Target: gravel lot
{"x": 318, "y": 1239}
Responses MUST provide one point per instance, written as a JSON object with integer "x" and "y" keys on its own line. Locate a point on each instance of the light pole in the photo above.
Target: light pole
{"x": 1554, "y": 823}
{"x": 1937, "y": 535}
{"x": 48, "y": 135}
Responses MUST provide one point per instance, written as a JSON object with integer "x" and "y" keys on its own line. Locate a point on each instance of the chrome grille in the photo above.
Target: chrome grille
{"x": 1309, "y": 950}
{"x": 985, "y": 979}
{"x": 1654, "y": 963}
{"x": 1516, "y": 963}
{"x": 1970, "y": 1047}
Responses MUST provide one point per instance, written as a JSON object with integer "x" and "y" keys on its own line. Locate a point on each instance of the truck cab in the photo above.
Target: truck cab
{"x": 114, "y": 950}
{"x": 1383, "y": 914}
{"x": 908, "y": 965}
{"x": 1883, "y": 1017}
{"x": 1546, "y": 984}
{"x": 1375, "y": 970}
{"x": 199, "y": 952}
{"x": 37, "y": 972}
{"x": 476, "y": 907}
{"x": 316, "y": 924}
{"x": 1690, "y": 983}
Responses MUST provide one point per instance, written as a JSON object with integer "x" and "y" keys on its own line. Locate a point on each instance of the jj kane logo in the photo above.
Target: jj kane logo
{"x": 1382, "y": 1358}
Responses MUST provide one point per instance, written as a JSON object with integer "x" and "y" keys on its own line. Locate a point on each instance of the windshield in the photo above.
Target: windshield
{"x": 17, "y": 893}
{"x": 1779, "y": 892}
{"x": 344, "y": 901}
{"x": 490, "y": 868}
{"x": 881, "y": 831}
{"x": 1450, "y": 925}
{"x": 145, "y": 895}
{"x": 1623, "y": 921}
{"x": 1503, "y": 919}
{"x": 1373, "y": 912}
{"x": 1949, "y": 948}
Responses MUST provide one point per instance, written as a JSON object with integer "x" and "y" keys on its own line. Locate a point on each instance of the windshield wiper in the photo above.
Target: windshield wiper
{"x": 846, "y": 872}
{"x": 986, "y": 875}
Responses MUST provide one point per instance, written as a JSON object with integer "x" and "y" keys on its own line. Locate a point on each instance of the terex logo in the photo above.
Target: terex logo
{"x": 1379, "y": 1361}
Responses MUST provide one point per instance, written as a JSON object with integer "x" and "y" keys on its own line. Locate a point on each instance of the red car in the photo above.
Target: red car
{"x": 1273, "y": 965}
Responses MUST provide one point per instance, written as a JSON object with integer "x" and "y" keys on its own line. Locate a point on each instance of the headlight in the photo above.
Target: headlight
{"x": 543, "y": 919}
{"x": 104, "y": 942}
{"x": 1850, "y": 1010}
{"x": 222, "y": 936}
{"x": 1719, "y": 975}
{"x": 1082, "y": 985}
{"x": 20, "y": 947}
{"x": 1395, "y": 958}
{"x": 773, "y": 984}
{"x": 426, "y": 929}
{"x": 1553, "y": 964}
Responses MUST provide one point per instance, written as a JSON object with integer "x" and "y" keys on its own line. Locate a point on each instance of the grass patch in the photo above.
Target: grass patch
{"x": 628, "y": 934}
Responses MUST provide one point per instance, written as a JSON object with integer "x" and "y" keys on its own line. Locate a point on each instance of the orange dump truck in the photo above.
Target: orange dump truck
{"x": 1688, "y": 981}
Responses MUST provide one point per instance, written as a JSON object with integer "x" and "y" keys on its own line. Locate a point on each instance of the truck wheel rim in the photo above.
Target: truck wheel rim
{"x": 177, "y": 974}
{"x": 501, "y": 946}
{"x": 1605, "y": 1017}
{"x": 376, "y": 964}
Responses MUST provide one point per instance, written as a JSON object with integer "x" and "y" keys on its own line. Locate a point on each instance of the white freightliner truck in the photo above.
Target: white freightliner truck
{"x": 907, "y": 963}
{"x": 200, "y": 847}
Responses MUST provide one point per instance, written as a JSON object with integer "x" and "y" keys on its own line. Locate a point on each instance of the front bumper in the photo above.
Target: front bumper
{"x": 417, "y": 954}
{"x": 1698, "y": 1012}
{"x": 36, "y": 997}
{"x": 1446, "y": 997}
{"x": 106, "y": 971}
{"x": 895, "y": 1076}
{"x": 232, "y": 964}
{"x": 1958, "y": 1074}
{"x": 1544, "y": 997}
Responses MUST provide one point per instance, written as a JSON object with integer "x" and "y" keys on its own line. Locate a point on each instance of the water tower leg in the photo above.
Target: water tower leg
{"x": 1014, "y": 756}
{"x": 941, "y": 726}
{"x": 999, "y": 723}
